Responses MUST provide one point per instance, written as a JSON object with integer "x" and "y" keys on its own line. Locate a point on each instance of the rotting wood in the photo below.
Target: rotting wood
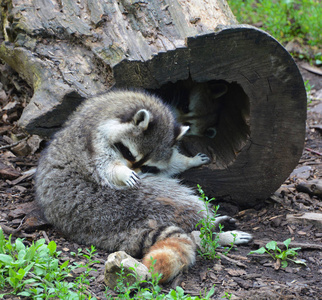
{"x": 67, "y": 50}
{"x": 305, "y": 219}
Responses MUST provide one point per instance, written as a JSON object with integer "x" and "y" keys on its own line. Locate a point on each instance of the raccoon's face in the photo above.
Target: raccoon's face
{"x": 201, "y": 110}
{"x": 144, "y": 142}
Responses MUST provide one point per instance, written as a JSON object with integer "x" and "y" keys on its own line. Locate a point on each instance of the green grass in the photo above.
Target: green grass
{"x": 37, "y": 272}
{"x": 283, "y": 19}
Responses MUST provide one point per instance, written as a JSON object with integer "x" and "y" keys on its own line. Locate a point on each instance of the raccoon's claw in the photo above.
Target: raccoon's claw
{"x": 133, "y": 181}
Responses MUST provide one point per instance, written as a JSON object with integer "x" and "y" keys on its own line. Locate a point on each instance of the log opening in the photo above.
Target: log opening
{"x": 217, "y": 113}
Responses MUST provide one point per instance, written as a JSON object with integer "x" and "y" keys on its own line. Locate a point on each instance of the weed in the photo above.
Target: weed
{"x": 209, "y": 238}
{"x": 278, "y": 253}
{"x": 308, "y": 89}
{"x": 36, "y": 272}
{"x": 227, "y": 296}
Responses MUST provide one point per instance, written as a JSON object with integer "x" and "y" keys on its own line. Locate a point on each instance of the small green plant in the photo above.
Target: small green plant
{"x": 83, "y": 280}
{"x": 308, "y": 89}
{"x": 36, "y": 271}
{"x": 150, "y": 289}
{"x": 125, "y": 290}
{"x": 227, "y": 296}
{"x": 276, "y": 253}
{"x": 209, "y": 238}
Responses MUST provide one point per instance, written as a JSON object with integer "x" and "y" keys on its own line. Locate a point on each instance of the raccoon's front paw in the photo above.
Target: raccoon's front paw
{"x": 127, "y": 177}
{"x": 201, "y": 159}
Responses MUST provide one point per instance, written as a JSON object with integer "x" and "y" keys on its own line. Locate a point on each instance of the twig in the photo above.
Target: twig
{"x": 238, "y": 257}
{"x": 313, "y": 151}
{"x": 15, "y": 232}
{"x": 14, "y": 144}
{"x": 27, "y": 174}
{"x": 236, "y": 262}
{"x": 45, "y": 236}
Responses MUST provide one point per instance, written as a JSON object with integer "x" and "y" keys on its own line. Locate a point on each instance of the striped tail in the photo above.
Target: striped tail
{"x": 174, "y": 251}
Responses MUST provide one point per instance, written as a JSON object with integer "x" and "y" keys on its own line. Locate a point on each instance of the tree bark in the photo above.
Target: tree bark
{"x": 67, "y": 50}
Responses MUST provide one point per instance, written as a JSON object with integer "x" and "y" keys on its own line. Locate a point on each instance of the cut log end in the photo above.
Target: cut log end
{"x": 257, "y": 126}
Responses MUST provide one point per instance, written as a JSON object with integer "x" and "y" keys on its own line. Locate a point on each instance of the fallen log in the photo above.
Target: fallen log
{"x": 68, "y": 50}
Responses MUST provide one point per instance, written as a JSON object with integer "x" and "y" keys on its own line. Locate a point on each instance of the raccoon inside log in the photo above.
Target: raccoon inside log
{"x": 69, "y": 50}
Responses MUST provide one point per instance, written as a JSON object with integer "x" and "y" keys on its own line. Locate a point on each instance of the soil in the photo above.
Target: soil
{"x": 240, "y": 275}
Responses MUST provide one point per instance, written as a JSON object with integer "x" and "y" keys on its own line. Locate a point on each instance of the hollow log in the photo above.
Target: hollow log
{"x": 252, "y": 101}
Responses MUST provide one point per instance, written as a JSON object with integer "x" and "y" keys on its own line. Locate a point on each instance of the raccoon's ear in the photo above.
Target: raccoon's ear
{"x": 183, "y": 131}
{"x": 142, "y": 119}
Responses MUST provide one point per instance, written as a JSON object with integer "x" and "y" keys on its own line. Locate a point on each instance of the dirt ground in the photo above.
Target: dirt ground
{"x": 240, "y": 275}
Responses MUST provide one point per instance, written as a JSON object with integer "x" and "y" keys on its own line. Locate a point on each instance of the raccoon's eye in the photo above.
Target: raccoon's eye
{"x": 210, "y": 132}
{"x": 149, "y": 169}
{"x": 125, "y": 151}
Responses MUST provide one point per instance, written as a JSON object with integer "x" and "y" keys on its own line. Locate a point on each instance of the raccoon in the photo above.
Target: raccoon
{"x": 198, "y": 105}
{"x": 106, "y": 179}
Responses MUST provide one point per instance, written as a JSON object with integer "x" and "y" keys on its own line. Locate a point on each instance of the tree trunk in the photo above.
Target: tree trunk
{"x": 67, "y": 50}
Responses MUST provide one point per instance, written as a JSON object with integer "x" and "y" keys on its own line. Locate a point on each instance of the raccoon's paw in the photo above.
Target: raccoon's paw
{"x": 201, "y": 159}
{"x": 234, "y": 236}
{"x": 128, "y": 177}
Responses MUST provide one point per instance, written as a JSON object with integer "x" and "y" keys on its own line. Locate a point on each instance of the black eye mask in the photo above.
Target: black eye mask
{"x": 125, "y": 151}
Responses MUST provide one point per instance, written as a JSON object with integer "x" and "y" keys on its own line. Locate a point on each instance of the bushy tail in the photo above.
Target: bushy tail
{"x": 174, "y": 252}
